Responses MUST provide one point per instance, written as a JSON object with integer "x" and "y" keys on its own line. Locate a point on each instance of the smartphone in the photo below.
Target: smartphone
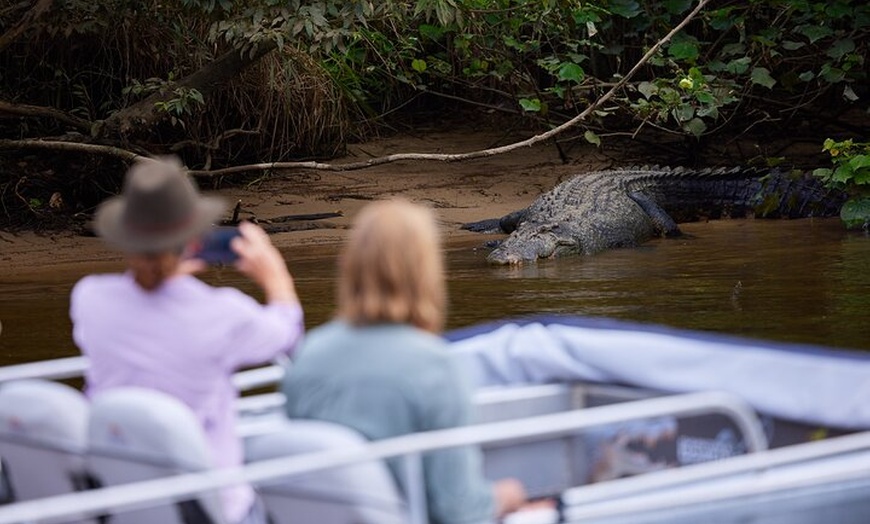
{"x": 215, "y": 246}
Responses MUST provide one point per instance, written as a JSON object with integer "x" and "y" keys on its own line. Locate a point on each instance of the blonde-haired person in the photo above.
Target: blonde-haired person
{"x": 159, "y": 327}
{"x": 380, "y": 367}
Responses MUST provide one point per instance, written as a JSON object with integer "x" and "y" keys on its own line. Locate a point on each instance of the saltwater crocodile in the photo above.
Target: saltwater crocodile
{"x": 623, "y": 207}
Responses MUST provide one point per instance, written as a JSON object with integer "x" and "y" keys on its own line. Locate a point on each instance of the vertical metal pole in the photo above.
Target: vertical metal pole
{"x": 415, "y": 488}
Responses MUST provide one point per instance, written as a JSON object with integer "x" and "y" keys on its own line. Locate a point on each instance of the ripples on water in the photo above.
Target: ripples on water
{"x": 800, "y": 281}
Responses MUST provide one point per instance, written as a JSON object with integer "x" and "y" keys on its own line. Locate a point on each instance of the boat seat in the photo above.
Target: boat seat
{"x": 545, "y": 466}
{"x": 43, "y": 431}
{"x": 138, "y": 434}
{"x": 358, "y": 494}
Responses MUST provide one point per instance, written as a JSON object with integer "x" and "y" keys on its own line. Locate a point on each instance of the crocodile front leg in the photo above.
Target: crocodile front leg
{"x": 664, "y": 224}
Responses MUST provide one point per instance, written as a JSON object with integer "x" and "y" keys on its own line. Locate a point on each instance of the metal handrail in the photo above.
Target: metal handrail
{"x": 55, "y": 369}
{"x": 73, "y": 367}
{"x": 764, "y": 483}
{"x": 497, "y": 394}
{"x": 743, "y": 464}
{"x": 172, "y": 489}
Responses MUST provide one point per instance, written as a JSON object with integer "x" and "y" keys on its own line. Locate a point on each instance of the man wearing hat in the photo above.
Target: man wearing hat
{"x": 158, "y": 326}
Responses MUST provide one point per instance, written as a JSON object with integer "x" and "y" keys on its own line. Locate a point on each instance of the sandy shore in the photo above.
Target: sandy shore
{"x": 460, "y": 192}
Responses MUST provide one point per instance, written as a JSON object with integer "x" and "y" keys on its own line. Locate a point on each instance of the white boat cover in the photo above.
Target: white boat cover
{"x": 802, "y": 383}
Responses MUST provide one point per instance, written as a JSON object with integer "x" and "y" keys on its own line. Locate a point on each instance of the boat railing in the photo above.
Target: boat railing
{"x": 696, "y": 473}
{"x": 750, "y": 484}
{"x": 55, "y": 369}
{"x": 491, "y": 402}
{"x": 74, "y": 367}
{"x": 410, "y": 447}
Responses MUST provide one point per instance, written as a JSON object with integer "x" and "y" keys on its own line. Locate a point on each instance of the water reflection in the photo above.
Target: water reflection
{"x": 800, "y": 281}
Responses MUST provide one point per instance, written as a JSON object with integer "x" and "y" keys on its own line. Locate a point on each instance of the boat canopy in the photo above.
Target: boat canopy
{"x": 809, "y": 384}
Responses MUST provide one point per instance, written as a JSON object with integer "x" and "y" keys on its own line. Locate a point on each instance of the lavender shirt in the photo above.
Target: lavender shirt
{"x": 185, "y": 338}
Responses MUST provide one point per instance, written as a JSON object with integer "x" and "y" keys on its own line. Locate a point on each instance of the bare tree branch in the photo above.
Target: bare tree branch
{"x": 50, "y": 112}
{"x": 473, "y": 154}
{"x": 26, "y": 21}
{"x": 58, "y": 145}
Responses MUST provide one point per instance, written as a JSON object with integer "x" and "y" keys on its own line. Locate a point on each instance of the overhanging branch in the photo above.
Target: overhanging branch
{"x": 474, "y": 154}
{"x": 58, "y": 145}
{"x": 50, "y": 112}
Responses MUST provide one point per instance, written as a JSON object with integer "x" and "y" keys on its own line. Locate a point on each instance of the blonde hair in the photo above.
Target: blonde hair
{"x": 391, "y": 270}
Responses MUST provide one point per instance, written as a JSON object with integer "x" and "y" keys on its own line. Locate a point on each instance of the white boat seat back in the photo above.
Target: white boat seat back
{"x": 43, "y": 431}
{"x": 545, "y": 466}
{"x": 358, "y": 494}
{"x": 138, "y": 434}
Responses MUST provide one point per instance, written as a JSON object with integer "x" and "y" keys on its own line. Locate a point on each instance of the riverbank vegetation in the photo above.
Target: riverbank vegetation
{"x": 87, "y": 86}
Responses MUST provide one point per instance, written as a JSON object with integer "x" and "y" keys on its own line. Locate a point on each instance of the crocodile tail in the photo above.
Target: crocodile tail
{"x": 796, "y": 195}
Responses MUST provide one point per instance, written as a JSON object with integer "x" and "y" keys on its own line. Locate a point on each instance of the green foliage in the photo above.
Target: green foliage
{"x": 348, "y": 63}
{"x": 545, "y": 58}
{"x": 855, "y": 213}
{"x": 851, "y": 164}
{"x": 690, "y": 101}
{"x": 551, "y": 55}
{"x": 851, "y": 172}
{"x": 184, "y": 103}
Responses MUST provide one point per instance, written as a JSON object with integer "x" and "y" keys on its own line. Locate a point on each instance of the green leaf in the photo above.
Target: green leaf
{"x": 684, "y": 51}
{"x": 695, "y": 126}
{"x": 196, "y": 96}
{"x": 418, "y": 65}
{"x": 723, "y": 19}
{"x": 733, "y": 49}
{"x": 647, "y": 89}
{"x": 858, "y": 162}
{"x": 761, "y": 76}
{"x": 841, "y": 48}
{"x": 592, "y": 138}
{"x": 711, "y": 112}
{"x": 823, "y": 172}
{"x": 738, "y": 66}
{"x": 571, "y": 72}
{"x": 855, "y": 213}
{"x": 431, "y": 32}
{"x": 625, "y": 8}
{"x": 806, "y": 76}
{"x": 838, "y": 9}
{"x": 705, "y": 97}
{"x": 513, "y": 43}
{"x": 676, "y": 7}
{"x": 790, "y": 45}
{"x": 814, "y": 33}
{"x": 832, "y": 74}
{"x": 842, "y": 174}
{"x": 532, "y": 105}
{"x": 684, "y": 112}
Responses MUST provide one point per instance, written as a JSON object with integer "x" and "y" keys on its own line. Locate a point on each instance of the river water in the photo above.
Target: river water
{"x": 800, "y": 281}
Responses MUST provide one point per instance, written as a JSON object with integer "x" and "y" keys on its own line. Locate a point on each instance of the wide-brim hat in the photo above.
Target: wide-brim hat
{"x": 159, "y": 209}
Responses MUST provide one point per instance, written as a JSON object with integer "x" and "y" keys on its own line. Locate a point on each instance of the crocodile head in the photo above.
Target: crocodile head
{"x": 531, "y": 242}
